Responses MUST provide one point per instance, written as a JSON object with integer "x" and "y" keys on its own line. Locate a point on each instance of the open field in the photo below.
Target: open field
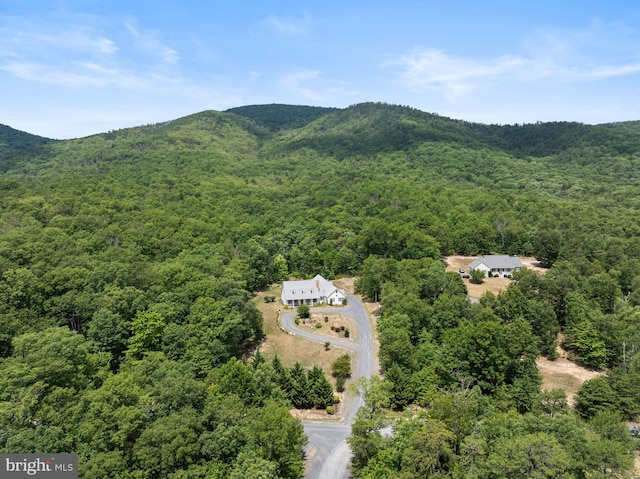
{"x": 347, "y": 284}
{"x": 564, "y": 374}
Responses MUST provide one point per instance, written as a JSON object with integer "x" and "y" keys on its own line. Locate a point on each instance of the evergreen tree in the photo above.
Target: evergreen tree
{"x": 301, "y": 390}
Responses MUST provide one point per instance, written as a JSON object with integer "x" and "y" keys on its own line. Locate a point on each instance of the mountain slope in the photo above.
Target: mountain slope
{"x": 207, "y": 137}
{"x": 371, "y": 128}
{"x": 12, "y": 140}
{"x": 277, "y": 117}
{"x": 344, "y": 156}
{"x": 629, "y": 126}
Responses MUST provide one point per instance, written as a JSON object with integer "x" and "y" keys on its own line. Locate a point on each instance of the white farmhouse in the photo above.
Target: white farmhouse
{"x": 498, "y": 265}
{"x": 311, "y": 291}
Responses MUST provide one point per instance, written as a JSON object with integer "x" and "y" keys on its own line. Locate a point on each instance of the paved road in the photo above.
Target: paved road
{"x": 327, "y": 452}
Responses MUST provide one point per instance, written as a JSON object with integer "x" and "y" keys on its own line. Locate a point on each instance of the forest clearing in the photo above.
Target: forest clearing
{"x": 288, "y": 347}
{"x": 495, "y": 285}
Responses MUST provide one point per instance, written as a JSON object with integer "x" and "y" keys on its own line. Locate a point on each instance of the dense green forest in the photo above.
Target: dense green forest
{"x": 128, "y": 261}
{"x": 465, "y": 376}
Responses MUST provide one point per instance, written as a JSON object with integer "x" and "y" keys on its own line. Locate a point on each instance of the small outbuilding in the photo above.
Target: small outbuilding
{"x": 498, "y": 265}
{"x": 311, "y": 292}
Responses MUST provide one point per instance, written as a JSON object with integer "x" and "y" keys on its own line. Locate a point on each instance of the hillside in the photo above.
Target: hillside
{"x": 15, "y": 144}
{"x": 15, "y": 140}
{"x": 278, "y": 117}
{"x": 628, "y": 126}
{"x": 129, "y": 259}
{"x": 450, "y": 180}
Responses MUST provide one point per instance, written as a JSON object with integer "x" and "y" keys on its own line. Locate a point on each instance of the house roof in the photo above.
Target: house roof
{"x": 315, "y": 288}
{"x": 497, "y": 262}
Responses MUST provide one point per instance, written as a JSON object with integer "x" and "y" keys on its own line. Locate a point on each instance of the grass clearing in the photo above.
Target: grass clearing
{"x": 564, "y": 374}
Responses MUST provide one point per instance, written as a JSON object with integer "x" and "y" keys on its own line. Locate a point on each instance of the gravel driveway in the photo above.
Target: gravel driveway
{"x": 327, "y": 452}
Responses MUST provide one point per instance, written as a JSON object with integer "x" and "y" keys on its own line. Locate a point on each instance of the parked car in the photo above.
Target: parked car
{"x": 463, "y": 273}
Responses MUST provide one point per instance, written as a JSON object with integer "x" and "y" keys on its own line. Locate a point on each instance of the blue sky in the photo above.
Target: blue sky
{"x": 73, "y": 68}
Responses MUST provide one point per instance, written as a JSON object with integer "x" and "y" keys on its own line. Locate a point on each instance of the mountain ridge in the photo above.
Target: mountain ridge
{"x": 12, "y": 140}
{"x": 277, "y": 118}
{"x": 362, "y": 133}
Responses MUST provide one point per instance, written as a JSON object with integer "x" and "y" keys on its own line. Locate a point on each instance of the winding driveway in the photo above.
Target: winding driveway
{"x": 327, "y": 451}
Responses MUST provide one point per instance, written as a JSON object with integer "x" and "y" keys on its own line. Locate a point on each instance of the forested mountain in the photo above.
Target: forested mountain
{"x": 14, "y": 140}
{"x": 630, "y": 126}
{"x": 281, "y": 117}
{"x": 128, "y": 261}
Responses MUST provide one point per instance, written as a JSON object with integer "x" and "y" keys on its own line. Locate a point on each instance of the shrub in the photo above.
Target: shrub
{"x": 326, "y": 319}
{"x": 341, "y": 366}
{"x": 336, "y": 399}
{"x": 346, "y": 333}
{"x": 318, "y": 325}
{"x": 331, "y": 410}
{"x": 477, "y": 276}
{"x": 340, "y": 380}
{"x": 327, "y": 345}
{"x": 344, "y": 302}
{"x": 303, "y": 311}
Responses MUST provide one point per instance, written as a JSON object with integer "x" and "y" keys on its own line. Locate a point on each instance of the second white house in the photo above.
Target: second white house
{"x": 497, "y": 265}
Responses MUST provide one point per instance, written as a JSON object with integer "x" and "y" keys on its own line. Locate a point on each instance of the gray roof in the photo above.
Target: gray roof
{"x": 497, "y": 261}
{"x": 315, "y": 288}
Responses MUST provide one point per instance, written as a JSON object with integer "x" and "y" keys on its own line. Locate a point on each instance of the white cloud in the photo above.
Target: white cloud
{"x": 287, "y": 26}
{"x": 80, "y": 40}
{"x": 106, "y": 46}
{"x": 66, "y": 38}
{"x": 608, "y": 71}
{"x": 22, "y": 70}
{"x": 148, "y": 41}
{"x": 434, "y": 70}
{"x": 203, "y": 50}
{"x": 305, "y": 84}
{"x": 76, "y": 75}
{"x": 298, "y": 83}
{"x": 431, "y": 69}
{"x": 63, "y": 55}
{"x": 75, "y": 56}
{"x": 86, "y": 74}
